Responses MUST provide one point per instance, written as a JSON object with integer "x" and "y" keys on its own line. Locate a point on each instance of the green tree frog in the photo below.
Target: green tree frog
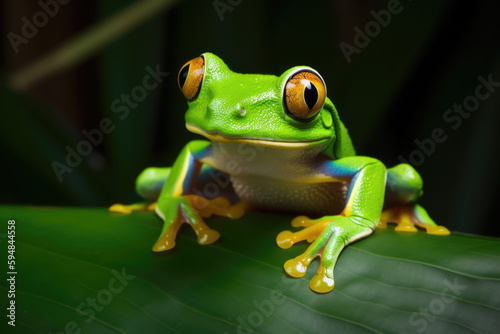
{"x": 303, "y": 163}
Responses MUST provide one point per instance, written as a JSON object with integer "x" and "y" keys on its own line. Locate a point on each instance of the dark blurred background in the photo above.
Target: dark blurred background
{"x": 68, "y": 65}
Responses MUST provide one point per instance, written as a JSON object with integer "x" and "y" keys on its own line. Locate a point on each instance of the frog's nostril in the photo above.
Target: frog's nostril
{"x": 243, "y": 111}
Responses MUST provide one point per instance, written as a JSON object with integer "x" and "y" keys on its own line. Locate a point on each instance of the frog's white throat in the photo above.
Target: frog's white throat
{"x": 217, "y": 137}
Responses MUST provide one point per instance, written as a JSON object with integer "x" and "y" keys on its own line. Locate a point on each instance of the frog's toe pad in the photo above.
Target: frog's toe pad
{"x": 321, "y": 283}
{"x": 296, "y": 267}
{"x": 164, "y": 243}
{"x": 120, "y": 208}
{"x": 208, "y": 236}
{"x": 285, "y": 239}
{"x": 237, "y": 211}
{"x": 409, "y": 227}
{"x": 127, "y": 209}
{"x": 436, "y": 230}
{"x": 301, "y": 221}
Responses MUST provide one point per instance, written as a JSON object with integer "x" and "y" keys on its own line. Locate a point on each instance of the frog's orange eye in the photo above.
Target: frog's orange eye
{"x": 190, "y": 77}
{"x": 304, "y": 95}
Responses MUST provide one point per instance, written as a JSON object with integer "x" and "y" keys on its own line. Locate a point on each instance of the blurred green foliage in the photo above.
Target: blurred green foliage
{"x": 393, "y": 92}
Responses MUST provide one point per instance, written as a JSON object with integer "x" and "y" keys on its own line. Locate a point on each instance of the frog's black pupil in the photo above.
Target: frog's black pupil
{"x": 183, "y": 75}
{"x": 310, "y": 95}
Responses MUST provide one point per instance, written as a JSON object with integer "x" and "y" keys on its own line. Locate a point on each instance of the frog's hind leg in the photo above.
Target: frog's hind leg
{"x": 215, "y": 193}
{"x": 404, "y": 188}
{"x": 148, "y": 185}
{"x": 407, "y": 216}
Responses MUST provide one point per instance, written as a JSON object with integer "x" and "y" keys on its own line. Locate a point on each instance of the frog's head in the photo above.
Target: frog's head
{"x": 289, "y": 111}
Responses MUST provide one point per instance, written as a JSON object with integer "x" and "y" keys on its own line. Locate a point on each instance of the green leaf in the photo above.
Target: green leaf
{"x": 67, "y": 259}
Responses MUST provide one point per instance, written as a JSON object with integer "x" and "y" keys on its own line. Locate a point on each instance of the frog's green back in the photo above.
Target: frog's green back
{"x": 342, "y": 146}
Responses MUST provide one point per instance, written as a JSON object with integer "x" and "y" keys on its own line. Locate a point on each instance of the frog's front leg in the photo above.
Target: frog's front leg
{"x": 330, "y": 234}
{"x": 176, "y": 204}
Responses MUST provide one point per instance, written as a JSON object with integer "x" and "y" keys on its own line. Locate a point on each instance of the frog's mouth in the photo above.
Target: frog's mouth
{"x": 215, "y": 136}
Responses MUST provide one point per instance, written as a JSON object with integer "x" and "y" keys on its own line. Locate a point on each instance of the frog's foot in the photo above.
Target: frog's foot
{"x": 191, "y": 210}
{"x": 166, "y": 241}
{"x": 219, "y": 206}
{"x": 122, "y": 208}
{"x": 328, "y": 235}
{"x": 407, "y": 216}
{"x": 204, "y": 234}
{"x": 312, "y": 228}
